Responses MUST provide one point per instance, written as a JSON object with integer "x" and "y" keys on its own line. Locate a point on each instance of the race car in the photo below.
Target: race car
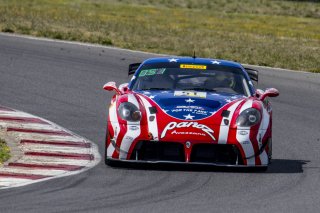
{"x": 189, "y": 110}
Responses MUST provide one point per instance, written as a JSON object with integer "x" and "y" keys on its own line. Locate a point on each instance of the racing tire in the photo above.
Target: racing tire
{"x": 106, "y": 161}
{"x": 262, "y": 169}
{"x": 270, "y": 151}
{"x": 109, "y": 162}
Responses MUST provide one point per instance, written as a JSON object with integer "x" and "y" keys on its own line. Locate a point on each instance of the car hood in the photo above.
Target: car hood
{"x": 190, "y": 105}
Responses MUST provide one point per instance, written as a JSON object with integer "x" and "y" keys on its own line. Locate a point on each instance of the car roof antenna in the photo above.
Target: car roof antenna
{"x": 194, "y": 54}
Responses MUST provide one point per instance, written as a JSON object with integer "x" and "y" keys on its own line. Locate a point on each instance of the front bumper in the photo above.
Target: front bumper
{"x": 156, "y": 152}
{"x": 196, "y": 164}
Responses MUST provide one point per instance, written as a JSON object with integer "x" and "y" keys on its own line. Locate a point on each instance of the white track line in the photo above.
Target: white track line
{"x": 34, "y": 126}
{"x": 14, "y": 114}
{"x": 40, "y": 137}
{"x": 53, "y": 148}
{"x": 30, "y": 171}
{"x": 52, "y": 160}
{"x": 7, "y": 181}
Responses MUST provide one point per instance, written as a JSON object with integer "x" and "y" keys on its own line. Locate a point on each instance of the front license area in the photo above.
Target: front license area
{"x": 191, "y": 94}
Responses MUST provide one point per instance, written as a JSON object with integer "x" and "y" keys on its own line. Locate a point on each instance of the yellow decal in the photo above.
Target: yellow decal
{"x": 192, "y": 66}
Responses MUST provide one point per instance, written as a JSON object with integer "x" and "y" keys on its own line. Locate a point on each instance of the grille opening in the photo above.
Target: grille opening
{"x": 158, "y": 151}
{"x": 216, "y": 153}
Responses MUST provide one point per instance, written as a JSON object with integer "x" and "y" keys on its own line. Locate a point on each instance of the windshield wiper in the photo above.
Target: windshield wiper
{"x": 201, "y": 89}
{"x": 156, "y": 88}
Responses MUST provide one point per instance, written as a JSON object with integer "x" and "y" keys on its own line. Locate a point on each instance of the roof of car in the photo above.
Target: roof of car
{"x": 205, "y": 61}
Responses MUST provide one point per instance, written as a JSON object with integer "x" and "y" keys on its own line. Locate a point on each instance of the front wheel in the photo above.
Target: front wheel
{"x": 106, "y": 147}
{"x": 270, "y": 150}
{"x": 107, "y": 161}
{"x": 262, "y": 169}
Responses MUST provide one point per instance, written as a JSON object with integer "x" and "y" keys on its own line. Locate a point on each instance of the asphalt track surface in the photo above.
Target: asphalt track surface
{"x": 62, "y": 83}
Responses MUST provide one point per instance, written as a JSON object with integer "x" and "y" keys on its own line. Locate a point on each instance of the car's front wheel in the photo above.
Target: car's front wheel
{"x": 106, "y": 161}
{"x": 270, "y": 150}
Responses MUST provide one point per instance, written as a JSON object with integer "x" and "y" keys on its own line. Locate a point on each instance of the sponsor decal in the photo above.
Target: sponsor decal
{"x": 152, "y": 72}
{"x": 188, "y": 144}
{"x": 174, "y": 125}
{"x": 193, "y": 66}
{"x": 243, "y": 132}
{"x": 128, "y": 138}
{"x": 191, "y": 94}
{"x": 133, "y": 128}
{"x": 190, "y": 107}
{"x": 196, "y": 110}
{"x": 174, "y": 132}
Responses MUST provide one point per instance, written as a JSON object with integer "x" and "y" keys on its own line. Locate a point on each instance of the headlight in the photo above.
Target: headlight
{"x": 249, "y": 117}
{"x": 129, "y": 112}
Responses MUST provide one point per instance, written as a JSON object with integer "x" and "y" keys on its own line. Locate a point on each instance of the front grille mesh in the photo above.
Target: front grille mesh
{"x": 158, "y": 151}
{"x": 215, "y": 153}
{"x": 172, "y": 151}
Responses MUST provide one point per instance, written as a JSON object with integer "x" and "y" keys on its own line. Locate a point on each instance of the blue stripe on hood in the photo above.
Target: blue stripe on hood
{"x": 190, "y": 105}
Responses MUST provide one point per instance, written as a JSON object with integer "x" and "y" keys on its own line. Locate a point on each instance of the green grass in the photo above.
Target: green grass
{"x": 4, "y": 151}
{"x": 263, "y": 32}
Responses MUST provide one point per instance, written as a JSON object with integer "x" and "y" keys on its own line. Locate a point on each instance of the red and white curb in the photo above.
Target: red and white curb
{"x": 43, "y": 150}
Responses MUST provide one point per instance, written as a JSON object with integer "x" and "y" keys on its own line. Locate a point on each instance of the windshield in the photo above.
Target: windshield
{"x": 168, "y": 76}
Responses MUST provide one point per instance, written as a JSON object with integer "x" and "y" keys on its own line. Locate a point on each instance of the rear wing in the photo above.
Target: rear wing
{"x": 253, "y": 74}
{"x": 133, "y": 68}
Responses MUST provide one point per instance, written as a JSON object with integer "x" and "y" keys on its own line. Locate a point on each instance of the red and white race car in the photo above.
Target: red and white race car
{"x": 190, "y": 111}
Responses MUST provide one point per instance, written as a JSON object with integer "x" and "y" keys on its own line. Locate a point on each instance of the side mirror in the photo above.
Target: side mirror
{"x": 270, "y": 92}
{"x": 110, "y": 86}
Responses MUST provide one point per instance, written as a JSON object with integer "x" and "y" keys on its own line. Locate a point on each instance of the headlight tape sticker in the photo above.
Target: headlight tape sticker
{"x": 130, "y": 135}
{"x": 247, "y": 148}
